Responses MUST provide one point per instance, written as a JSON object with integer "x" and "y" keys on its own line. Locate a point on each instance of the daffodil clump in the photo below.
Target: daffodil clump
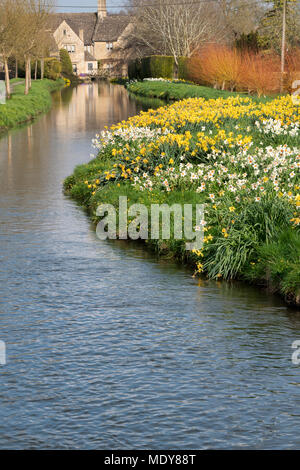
{"x": 239, "y": 156}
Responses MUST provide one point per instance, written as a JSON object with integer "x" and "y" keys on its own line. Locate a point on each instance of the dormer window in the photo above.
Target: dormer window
{"x": 109, "y": 46}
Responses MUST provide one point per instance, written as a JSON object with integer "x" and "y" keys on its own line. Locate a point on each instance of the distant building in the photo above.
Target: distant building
{"x": 94, "y": 40}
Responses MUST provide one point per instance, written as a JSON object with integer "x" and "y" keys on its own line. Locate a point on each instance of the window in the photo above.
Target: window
{"x": 65, "y": 32}
{"x": 74, "y": 68}
{"x": 109, "y": 46}
{"x": 70, "y": 47}
{"x": 90, "y": 66}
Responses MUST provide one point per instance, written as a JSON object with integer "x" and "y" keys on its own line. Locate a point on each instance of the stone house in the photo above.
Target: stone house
{"x": 95, "y": 41}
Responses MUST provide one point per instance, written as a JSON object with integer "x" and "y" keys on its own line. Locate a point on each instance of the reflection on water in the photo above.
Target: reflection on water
{"x": 107, "y": 346}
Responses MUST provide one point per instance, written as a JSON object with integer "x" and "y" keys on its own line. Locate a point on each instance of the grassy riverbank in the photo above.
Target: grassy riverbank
{"x": 240, "y": 157}
{"x": 21, "y": 108}
{"x": 175, "y": 90}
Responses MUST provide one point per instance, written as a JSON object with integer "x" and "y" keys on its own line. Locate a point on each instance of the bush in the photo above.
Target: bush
{"x": 248, "y": 42}
{"x": 231, "y": 69}
{"x": 183, "y": 68}
{"x": 151, "y": 67}
{"x": 131, "y": 70}
{"x": 135, "y": 69}
{"x": 218, "y": 66}
{"x": 260, "y": 73}
{"x": 66, "y": 64}
{"x": 278, "y": 265}
{"x": 158, "y": 66}
{"x": 292, "y": 68}
{"x": 52, "y": 68}
{"x": 21, "y": 67}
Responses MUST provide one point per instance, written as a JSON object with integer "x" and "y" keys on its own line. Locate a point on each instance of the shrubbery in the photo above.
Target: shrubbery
{"x": 66, "y": 64}
{"x": 242, "y": 70}
{"x": 259, "y": 74}
{"x": 218, "y": 66}
{"x": 53, "y": 68}
{"x": 292, "y": 68}
{"x": 157, "y": 67}
{"x": 135, "y": 69}
{"x": 183, "y": 68}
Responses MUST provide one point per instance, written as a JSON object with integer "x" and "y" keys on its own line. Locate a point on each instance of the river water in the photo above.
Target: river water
{"x": 108, "y": 347}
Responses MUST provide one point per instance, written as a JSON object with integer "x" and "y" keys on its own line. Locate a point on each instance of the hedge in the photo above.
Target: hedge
{"x": 183, "y": 68}
{"x": 157, "y": 67}
{"x": 52, "y": 68}
{"x": 66, "y": 64}
{"x": 135, "y": 69}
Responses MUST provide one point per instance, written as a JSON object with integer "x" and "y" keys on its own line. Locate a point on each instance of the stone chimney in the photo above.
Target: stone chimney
{"x": 102, "y": 12}
{"x": 81, "y": 35}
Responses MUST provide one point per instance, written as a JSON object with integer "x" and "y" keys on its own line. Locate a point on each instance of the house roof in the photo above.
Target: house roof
{"x": 110, "y": 28}
{"x": 52, "y": 45}
{"x": 107, "y": 29}
{"x": 77, "y": 21}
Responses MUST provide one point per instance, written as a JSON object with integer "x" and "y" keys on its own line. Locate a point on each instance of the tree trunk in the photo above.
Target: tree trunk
{"x": 283, "y": 46}
{"x": 29, "y": 75}
{"x": 35, "y": 70}
{"x": 42, "y": 69}
{"x": 26, "y": 76}
{"x": 176, "y": 69}
{"x": 17, "y": 71}
{"x": 7, "y": 81}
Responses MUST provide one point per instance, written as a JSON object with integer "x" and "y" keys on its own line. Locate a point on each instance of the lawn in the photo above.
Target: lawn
{"x": 21, "y": 108}
{"x": 175, "y": 90}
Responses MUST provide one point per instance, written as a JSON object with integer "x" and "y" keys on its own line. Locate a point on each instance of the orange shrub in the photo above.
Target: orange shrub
{"x": 230, "y": 69}
{"x": 292, "y": 69}
{"x": 260, "y": 73}
{"x": 216, "y": 65}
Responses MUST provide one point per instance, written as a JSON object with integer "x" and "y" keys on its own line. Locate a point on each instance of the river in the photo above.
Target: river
{"x": 108, "y": 347}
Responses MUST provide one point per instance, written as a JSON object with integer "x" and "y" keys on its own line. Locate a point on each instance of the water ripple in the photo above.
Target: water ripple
{"x": 108, "y": 347}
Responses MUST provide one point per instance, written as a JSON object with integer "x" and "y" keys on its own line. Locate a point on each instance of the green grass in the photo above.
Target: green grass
{"x": 176, "y": 91}
{"x": 21, "y": 108}
{"x": 74, "y": 186}
{"x": 179, "y": 91}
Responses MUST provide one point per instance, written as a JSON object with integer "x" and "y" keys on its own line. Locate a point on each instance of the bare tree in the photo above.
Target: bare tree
{"x": 241, "y": 16}
{"x": 174, "y": 28}
{"x": 9, "y": 31}
{"x": 36, "y": 15}
{"x": 24, "y": 33}
{"x": 271, "y": 25}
